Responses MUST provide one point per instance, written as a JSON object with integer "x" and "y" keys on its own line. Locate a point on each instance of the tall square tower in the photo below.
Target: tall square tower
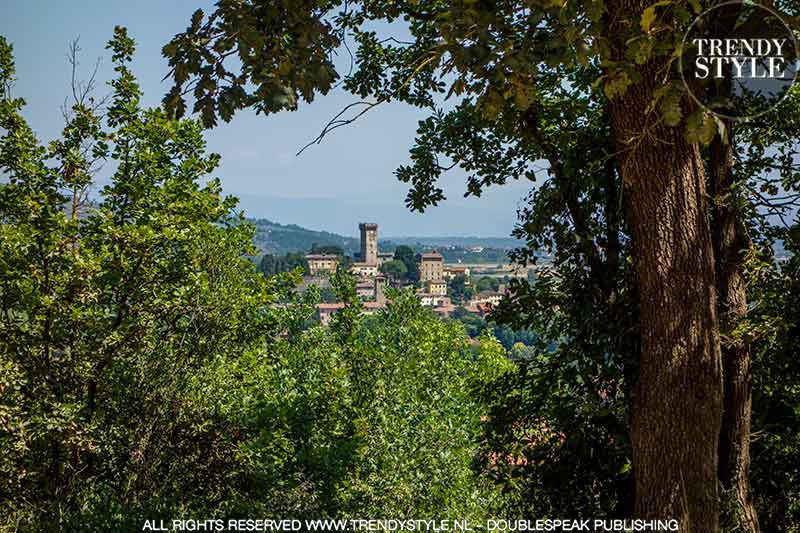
{"x": 369, "y": 242}
{"x": 431, "y": 267}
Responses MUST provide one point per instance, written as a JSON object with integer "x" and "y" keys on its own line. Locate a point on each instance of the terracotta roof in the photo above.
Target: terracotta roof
{"x": 330, "y": 306}
{"x": 486, "y": 294}
{"x": 445, "y": 308}
{"x": 339, "y": 305}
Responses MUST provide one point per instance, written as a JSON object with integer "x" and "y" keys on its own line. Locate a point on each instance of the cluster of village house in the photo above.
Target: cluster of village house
{"x": 433, "y": 272}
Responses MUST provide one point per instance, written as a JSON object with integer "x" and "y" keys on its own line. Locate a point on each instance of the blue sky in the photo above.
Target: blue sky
{"x": 333, "y": 186}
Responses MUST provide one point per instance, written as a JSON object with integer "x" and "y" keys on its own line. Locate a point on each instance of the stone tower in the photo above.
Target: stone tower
{"x": 431, "y": 267}
{"x": 369, "y": 243}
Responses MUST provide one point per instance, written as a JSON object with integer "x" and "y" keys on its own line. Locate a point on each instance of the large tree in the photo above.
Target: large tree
{"x": 535, "y": 70}
{"x": 405, "y": 254}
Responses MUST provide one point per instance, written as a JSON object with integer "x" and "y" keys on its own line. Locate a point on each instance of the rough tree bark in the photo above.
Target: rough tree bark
{"x": 678, "y": 400}
{"x": 730, "y": 244}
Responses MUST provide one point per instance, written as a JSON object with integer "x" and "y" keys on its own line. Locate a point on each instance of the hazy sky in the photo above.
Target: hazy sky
{"x": 346, "y": 179}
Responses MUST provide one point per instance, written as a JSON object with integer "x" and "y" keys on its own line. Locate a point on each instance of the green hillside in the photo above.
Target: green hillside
{"x": 280, "y": 239}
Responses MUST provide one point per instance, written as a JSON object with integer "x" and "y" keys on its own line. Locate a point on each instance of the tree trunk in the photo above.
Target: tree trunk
{"x": 677, "y": 406}
{"x": 730, "y": 244}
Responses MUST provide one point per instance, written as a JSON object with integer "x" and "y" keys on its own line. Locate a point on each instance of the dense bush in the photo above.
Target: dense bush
{"x": 270, "y": 265}
{"x": 774, "y": 328}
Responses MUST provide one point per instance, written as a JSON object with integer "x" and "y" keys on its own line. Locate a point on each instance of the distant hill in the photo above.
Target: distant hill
{"x": 280, "y": 239}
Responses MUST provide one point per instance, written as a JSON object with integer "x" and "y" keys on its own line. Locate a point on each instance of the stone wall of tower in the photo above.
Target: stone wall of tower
{"x": 431, "y": 267}
{"x": 369, "y": 243}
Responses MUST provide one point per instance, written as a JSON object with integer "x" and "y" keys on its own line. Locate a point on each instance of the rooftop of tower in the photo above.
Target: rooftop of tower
{"x": 431, "y": 256}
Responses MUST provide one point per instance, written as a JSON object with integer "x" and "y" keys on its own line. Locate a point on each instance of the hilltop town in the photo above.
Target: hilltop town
{"x": 444, "y": 287}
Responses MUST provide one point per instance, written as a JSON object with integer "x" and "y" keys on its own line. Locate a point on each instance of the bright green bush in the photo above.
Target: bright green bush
{"x": 370, "y": 418}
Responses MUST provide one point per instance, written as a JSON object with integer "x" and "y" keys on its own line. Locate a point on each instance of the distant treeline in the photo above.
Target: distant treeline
{"x": 279, "y": 239}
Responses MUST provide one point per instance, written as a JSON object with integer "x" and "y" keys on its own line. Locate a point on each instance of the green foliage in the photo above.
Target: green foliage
{"x": 406, "y": 255}
{"x": 459, "y": 49}
{"x": 486, "y": 283}
{"x": 280, "y": 239}
{"x": 486, "y": 255}
{"x": 290, "y": 37}
{"x": 477, "y": 327}
{"x": 418, "y": 421}
{"x": 554, "y": 445}
{"x": 367, "y": 418}
{"x": 105, "y": 316}
{"x": 329, "y": 425}
{"x": 146, "y": 372}
{"x": 491, "y": 364}
{"x": 458, "y": 289}
{"x": 271, "y": 265}
{"x": 328, "y": 295}
{"x": 473, "y": 324}
{"x": 345, "y": 262}
{"x": 395, "y": 268}
{"x": 767, "y": 193}
{"x": 774, "y": 328}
